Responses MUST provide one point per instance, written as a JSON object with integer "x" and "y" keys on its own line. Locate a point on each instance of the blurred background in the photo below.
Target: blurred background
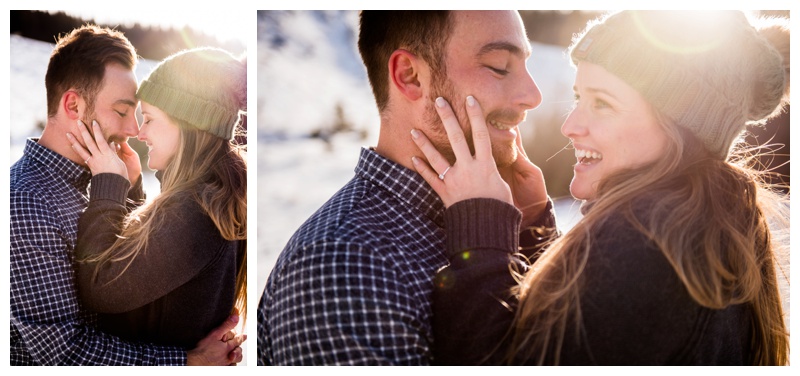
{"x": 155, "y": 34}
{"x": 316, "y": 110}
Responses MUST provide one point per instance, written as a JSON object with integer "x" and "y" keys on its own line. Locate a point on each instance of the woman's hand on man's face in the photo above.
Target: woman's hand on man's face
{"x": 98, "y": 155}
{"x": 471, "y": 176}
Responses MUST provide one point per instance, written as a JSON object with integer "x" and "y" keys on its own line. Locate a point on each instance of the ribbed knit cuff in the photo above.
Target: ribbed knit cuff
{"x": 136, "y": 193}
{"x": 481, "y": 223}
{"x": 543, "y": 229}
{"x": 108, "y": 186}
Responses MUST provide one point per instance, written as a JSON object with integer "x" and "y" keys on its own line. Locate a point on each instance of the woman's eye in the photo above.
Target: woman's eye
{"x": 599, "y": 103}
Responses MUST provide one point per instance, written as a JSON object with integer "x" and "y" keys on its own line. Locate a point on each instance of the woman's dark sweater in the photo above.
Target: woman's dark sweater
{"x": 176, "y": 290}
{"x": 635, "y": 308}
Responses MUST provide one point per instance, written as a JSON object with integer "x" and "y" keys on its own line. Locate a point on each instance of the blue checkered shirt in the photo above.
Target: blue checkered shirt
{"x": 354, "y": 284}
{"x": 48, "y": 325}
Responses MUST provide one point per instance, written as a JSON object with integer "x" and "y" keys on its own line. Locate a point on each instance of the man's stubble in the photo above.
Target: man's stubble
{"x": 504, "y": 154}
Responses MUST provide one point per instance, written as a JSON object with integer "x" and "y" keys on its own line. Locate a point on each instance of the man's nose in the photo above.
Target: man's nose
{"x": 530, "y": 96}
{"x": 131, "y": 127}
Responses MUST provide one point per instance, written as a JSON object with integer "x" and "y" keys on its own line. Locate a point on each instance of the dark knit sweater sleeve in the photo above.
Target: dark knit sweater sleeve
{"x": 169, "y": 260}
{"x": 473, "y": 307}
{"x": 534, "y": 238}
{"x": 136, "y": 195}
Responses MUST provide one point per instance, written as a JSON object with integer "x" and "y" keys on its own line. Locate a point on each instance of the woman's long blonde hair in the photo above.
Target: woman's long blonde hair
{"x": 710, "y": 222}
{"x": 214, "y": 172}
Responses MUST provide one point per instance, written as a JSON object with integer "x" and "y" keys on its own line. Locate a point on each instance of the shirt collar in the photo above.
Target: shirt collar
{"x": 75, "y": 174}
{"x": 406, "y": 185}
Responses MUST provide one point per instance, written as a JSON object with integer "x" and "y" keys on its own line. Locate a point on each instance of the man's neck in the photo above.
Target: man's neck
{"x": 395, "y": 143}
{"x": 54, "y": 137}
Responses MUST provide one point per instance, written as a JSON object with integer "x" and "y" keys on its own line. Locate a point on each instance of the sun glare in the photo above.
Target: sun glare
{"x": 223, "y": 25}
{"x": 652, "y": 27}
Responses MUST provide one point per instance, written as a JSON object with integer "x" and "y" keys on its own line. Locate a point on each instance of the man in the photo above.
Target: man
{"x": 89, "y": 78}
{"x": 353, "y": 285}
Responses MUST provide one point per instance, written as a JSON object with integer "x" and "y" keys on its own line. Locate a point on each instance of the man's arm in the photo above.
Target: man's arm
{"x": 44, "y": 304}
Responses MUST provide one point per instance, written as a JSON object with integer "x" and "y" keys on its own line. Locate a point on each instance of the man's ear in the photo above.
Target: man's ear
{"x": 72, "y": 104}
{"x": 404, "y": 71}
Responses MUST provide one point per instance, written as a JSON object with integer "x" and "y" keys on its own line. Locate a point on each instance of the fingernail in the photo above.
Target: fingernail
{"x": 414, "y": 160}
{"x": 69, "y": 135}
{"x": 94, "y": 122}
{"x": 414, "y": 133}
{"x": 440, "y": 102}
{"x": 234, "y": 318}
{"x": 470, "y": 101}
{"x": 80, "y": 122}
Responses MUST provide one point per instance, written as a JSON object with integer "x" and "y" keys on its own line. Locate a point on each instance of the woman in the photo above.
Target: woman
{"x": 672, "y": 262}
{"x": 171, "y": 270}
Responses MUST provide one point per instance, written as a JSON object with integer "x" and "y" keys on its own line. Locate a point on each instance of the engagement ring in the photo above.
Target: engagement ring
{"x": 441, "y": 176}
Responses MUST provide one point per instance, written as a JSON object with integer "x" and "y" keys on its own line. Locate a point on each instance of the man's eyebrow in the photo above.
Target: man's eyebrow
{"x": 523, "y": 52}
{"x": 127, "y": 102}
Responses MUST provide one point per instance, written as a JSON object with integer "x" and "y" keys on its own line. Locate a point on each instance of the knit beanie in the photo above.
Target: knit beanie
{"x": 712, "y": 73}
{"x": 204, "y": 87}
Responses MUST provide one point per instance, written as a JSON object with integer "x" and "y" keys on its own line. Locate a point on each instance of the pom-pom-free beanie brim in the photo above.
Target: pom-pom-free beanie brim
{"x": 205, "y": 115}
{"x": 197, "y": 86}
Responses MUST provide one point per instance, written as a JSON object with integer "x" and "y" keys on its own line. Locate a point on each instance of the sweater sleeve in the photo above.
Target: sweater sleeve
{"x": 175, "y": 252}
{"x": 473, "y": 306}
{"x": 534, "y": 238}
{"x": 136, "y": 195}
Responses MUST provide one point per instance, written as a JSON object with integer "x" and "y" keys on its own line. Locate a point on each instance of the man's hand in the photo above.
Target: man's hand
{"x": 527, "y": 185}
{"x": 221, "y": 347}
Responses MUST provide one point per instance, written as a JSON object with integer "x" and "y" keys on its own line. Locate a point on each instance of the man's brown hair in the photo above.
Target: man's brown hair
{"x": 423, "y": 33}
{"x": 79, "y": 60}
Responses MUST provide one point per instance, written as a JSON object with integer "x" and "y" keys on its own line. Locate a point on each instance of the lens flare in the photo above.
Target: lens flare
{"x": 681, "y": 32}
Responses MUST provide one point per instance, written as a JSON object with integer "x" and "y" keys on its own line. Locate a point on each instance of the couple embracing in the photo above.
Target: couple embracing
{"x": 98, "y": 274}
{"x": 443, "y": 249}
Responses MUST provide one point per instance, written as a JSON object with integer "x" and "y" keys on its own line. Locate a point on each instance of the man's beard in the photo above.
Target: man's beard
{"x": 87, "y": 119}
{"x": 504, "y": 153}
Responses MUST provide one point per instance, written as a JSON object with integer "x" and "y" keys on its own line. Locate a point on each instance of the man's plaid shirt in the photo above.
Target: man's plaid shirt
{"x": 48, "y": 326}
{"x": 354, "y": 283}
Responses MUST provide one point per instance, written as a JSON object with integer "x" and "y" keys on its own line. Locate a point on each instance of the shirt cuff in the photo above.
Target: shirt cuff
{"x": 481, "y": 223}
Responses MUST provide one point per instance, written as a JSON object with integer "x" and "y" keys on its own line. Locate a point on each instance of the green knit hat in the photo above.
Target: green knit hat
{"x": 205, "y": 87}
{"x": 712, "y": 73}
